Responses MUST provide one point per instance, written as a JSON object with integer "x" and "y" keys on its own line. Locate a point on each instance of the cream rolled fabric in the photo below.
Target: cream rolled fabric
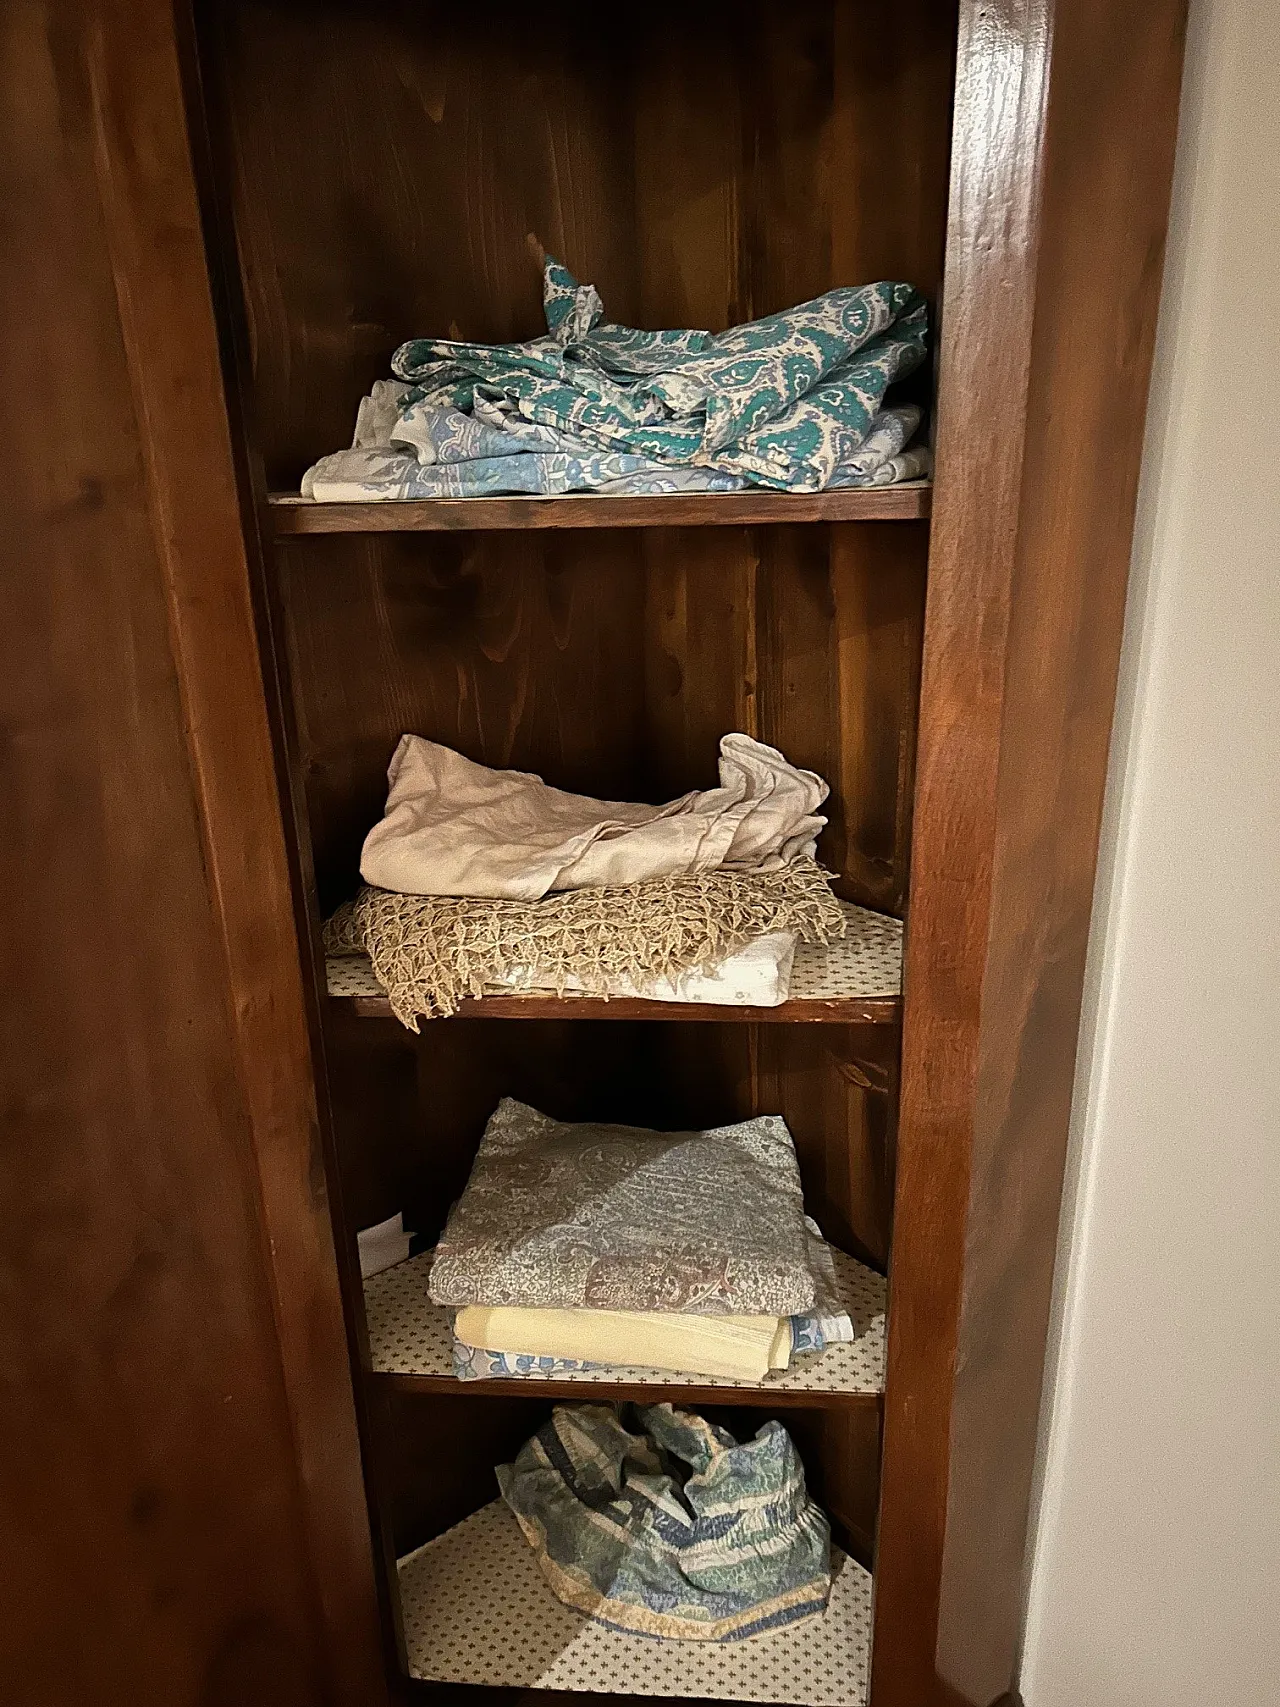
{"x": 739, "y": 1348}
{"x": 453, "y": 827}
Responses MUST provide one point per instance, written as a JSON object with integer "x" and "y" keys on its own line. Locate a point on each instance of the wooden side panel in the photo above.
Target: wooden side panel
{"x": 1116, "y": 74}
{"x": 1065, "y": 125}
{"x": 166, "y": 1543}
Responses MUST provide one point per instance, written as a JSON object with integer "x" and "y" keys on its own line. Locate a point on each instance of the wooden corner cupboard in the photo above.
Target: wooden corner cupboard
{"x": 231, "y": 1475}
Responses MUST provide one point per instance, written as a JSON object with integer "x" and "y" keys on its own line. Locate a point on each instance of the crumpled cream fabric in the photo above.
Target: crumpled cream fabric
{"x": 453, "y": 827}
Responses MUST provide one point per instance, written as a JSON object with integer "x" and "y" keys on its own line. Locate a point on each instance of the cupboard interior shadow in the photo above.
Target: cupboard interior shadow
{"x": 437, "y": 1457}
{"x": 611, "y": 662}
{"x": 399, "y": 171}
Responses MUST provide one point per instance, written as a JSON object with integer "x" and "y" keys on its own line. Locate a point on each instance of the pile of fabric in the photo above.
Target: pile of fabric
{"x": 795, "y": 402}
{"x": 481, "y": 882}
{"x": 660, "y": 1523}
{"x": 586, "y": 1245}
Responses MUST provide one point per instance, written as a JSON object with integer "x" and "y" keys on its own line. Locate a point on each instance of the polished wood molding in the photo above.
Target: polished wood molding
{"x": 621, "y": 1392}
{"x": 1065, "y": 126}
{"x": 909, "y": 501}
{"x": 843, "y": 1010}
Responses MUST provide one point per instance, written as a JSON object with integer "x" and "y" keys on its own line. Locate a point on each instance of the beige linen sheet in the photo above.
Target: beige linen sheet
{"x": 453, "y": 827}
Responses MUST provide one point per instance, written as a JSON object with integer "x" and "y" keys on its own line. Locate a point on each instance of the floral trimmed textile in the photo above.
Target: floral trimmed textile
{"x": 675, "y": 1530}
{"x": 793, "y": 401}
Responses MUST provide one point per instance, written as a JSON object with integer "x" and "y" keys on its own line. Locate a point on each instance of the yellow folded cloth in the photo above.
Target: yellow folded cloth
{"x": 740, "y": 1348}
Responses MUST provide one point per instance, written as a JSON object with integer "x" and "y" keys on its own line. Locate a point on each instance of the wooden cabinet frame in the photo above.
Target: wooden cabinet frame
{"x": 1061, "y": 160}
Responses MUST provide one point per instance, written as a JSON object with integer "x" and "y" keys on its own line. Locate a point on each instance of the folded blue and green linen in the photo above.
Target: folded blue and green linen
{"x": 793, "y": 402}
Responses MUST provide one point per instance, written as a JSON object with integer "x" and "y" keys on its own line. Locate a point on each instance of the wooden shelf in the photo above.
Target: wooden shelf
{"x": 476, "y": 1609}
{"x": 909, "y": 501}
{"x": 411, "y": 1347}
{"x": 855, "y": 981}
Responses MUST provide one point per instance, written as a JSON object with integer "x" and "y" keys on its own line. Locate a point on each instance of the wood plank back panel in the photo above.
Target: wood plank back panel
{"x": 399, "y": 172}
{"x": 816, "y": 155}
{"x": 612, "y": 665}
{"x": 410, "y": 1111}
{"x": 154, "y": 1446}
{"x": 519, "y": 651}
{"x": 809, "y": 639}
{"x": 1066, "y": 117}
{"x": 396, "y": 172}
{"x": 474, "y": 1430}
{"x": 838, "y": 648}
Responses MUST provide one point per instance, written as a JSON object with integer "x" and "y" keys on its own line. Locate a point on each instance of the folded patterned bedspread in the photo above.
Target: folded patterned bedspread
{"x": 795, "y": 402}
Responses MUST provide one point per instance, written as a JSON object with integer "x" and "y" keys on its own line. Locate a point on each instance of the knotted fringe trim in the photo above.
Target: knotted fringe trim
{"x": 431, "y": 951}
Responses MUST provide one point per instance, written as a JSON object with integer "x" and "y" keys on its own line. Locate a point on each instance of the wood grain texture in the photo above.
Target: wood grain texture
{"x": 844, "y": 1010}
{"x": 572, "y": 1070}
{"x": 1116, "y": 72}
{"x": 474, "y": 1431}
{"x": 395, "y": 173}
{"x": 1065, "y": 123}
{"x": 611, "y": 664}
{"x": 908, "y": 501}
{"x": 153, "y": 228}
{"x": 399, "y": 173}
{"x": 837, "y": 1091}
{"x": 808, "y": 639}
{"x": 518, "y": 651}
{"x": 444, "y": 1387}
{"x": 154, "y": 232}
{"x": 150, "y": 1482}
{"x": 838, "y": 644}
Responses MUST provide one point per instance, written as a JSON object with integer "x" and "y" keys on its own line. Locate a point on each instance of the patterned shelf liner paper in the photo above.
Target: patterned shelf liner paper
{"x": 477, "y": 1609}
{"x": 866, "y": 963}
{"x": 409, "y": 1335}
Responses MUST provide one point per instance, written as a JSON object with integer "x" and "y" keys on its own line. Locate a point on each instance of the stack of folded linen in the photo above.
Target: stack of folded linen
{"x": 582, "y": 1245}
{"x": 794, "y": 402}
{"x": 480, "y": 881}
{"x": 498, "y": 1344}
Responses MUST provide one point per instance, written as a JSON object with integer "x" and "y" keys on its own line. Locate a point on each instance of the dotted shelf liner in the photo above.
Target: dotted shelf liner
{"x": 409, "y": 1335}
{"x": 477, "y": 1609}
{"x": 865, "y": 963}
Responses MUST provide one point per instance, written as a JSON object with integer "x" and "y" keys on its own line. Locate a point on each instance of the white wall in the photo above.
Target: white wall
{"x": 1155, "y": 1577}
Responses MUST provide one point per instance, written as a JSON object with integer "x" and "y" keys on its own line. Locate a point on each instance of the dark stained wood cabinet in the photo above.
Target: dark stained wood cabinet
{"x": 222, "y": 218}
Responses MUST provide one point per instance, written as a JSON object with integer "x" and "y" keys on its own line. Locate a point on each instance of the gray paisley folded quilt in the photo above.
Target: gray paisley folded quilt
{"x": 794, "y": 401}
{"x": 562, "y": 1216}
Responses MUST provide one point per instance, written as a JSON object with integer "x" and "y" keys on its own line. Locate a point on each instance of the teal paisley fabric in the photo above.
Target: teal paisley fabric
{"x": 794, "y": 401}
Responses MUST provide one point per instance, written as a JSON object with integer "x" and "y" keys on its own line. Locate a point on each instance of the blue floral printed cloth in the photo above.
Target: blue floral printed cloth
{"x": 793, "y": 402}
{"x": 674, "y": 1530}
